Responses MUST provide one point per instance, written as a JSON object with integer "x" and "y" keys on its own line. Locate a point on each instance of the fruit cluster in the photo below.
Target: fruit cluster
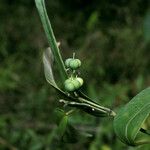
{"x": 74, "y": 82}
{"x": 73, "y": 63}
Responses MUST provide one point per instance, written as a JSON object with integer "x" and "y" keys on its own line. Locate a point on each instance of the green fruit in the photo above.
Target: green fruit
{"x": 75, "y": 64}
{"x": 67, "y": 62}
{"x": 79, "y": 62}
{"x": 73, "y": 84}
{"x": 68, "y": 81}
{"x": 69, "y": 86}
{"x": 80, "y": 80}
{"x": 76, "y": 83}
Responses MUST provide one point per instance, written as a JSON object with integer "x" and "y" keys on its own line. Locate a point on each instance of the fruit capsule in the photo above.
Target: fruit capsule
{"x": 76, "y": 83}
{"x": 67, "y": 62}
{"x": 80, "y": 80}
{"x": 69, "y": 86}
{"x": 74, "y": 64}
{"x": 73, "y": 84}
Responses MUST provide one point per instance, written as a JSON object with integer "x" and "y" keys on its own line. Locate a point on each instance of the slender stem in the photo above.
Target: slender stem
{"x": 111, "y": 112}
{"x": 82, "y": 103}
{"x": 70, "y": 112}
{"x": 74, "y": 55}
{"x": 50, "y": 36}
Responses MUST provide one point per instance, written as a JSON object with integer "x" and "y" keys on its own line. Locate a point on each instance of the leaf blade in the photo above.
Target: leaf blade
{"x": 129, "y": 119}
{"x": 48, "y": 62}
{"x": 40, "y": 4}
{"x": 146, "y": 26}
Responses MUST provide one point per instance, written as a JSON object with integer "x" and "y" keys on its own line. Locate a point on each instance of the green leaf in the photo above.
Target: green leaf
{"x": 92, "y": 21}
{"x": 146, "y": 26}
{"x": 59, "y": 114}
{"x": 66, "y": 132}
{"x": 62, "y": 126}
{"x": 62, "y": 122}
{"x": 130, "y": 118}
{"x": 40, "y": 4}
{"x": 48, "y": 62}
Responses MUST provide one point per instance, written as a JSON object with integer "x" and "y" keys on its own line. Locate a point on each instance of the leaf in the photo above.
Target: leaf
{"x": 146, "y": 26}
{"x": 48, "y": 62}
{"x": 130, "y": 118}
{"x": 59, "y": 114}
{"x": 40, "y": 4}
{"x": 62, "y": 126}
{"x": 62, "y": 121}
{"x": 92, "y": 20}
{"x": 66, "y": 132}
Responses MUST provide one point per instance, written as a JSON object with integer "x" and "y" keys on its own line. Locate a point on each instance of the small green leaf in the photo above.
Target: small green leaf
{"x": 40, "y": 4}
{"x": 48, "y": 62}
{"x": 59, "y": 114}
{"x": 62, "y": 121}
{"x": 129, "y": 120}
{"x": 62, "y": 126}
{"x": 146, "y": 26}
{"x": 66, "y": 132}
{"x": 92, "y": 20}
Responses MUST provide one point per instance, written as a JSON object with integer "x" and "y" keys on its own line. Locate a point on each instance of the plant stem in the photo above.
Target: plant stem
{"x": 51, "y": 38}
{"x": 101, "y": 108}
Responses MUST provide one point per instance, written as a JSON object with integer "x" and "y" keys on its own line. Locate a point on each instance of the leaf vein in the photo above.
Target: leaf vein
{"x": 126, "y": 128}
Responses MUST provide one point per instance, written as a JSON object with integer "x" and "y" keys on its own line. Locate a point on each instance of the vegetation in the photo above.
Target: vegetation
{"x": 111, "y": 36}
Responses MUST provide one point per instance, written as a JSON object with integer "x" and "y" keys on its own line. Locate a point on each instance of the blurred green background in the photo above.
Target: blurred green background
{"x": 112, "y": 38}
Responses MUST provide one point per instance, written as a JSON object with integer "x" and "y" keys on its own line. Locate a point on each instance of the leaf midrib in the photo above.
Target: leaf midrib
{"x": 126, "y": 129}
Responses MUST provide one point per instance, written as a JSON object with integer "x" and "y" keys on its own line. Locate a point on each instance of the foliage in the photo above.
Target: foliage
{"x": 130, "y": 118}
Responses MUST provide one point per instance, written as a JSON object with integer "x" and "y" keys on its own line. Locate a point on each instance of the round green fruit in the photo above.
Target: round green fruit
{"x": 69, "y": 86}
{"x": 68, "y": 81}
{"x": 76, "y": 83}
{"x": 67, "y": 62}
{"x": 75, "y": 64}
{"x": 80, "y": 80}
{"x": 79, "y": 62}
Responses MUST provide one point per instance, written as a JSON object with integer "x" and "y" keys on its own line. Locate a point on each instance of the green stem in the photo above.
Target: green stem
{"x": 40, "y": 4}
{"x": 107, "y": 110}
